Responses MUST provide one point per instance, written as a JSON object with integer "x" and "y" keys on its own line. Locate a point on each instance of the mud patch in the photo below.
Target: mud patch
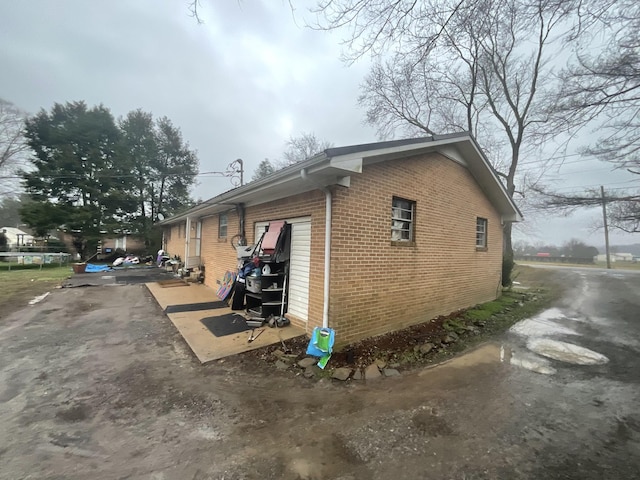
{"x": 566, "y": 352}
{"x": 62, "y": 439}
{"x": 398, "y": 433}
{"x": 76, "y": 413}
{"x": 432, "y": 425}
{"x": 488, "y": 353}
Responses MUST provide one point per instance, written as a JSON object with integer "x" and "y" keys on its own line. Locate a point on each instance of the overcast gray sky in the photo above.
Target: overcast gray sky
{"x": 237, "y": 85}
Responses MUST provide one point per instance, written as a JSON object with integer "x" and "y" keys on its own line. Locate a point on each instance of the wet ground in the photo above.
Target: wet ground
{"x": 95, "y": 383}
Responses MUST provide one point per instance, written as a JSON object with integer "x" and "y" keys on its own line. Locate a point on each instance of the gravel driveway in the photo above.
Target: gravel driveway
{"x": 95, "y": 383}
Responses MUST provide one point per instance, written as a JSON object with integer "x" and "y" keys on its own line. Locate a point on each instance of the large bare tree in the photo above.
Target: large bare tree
{"x": 600, "y": 91}
{"x": 601, "y": 88}
{"x": 450, "y": 65}
{"x": 12, "y": 146}
{"x": 302, "y": 147}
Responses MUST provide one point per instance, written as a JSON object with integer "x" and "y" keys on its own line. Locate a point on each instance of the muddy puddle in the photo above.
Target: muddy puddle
{"x": 498, "y": 354}
{"x": 539, "y": 332}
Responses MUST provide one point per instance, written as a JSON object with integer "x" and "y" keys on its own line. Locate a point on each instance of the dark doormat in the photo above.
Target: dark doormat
{"x": 225, "y": 324}
{"x": 194, "y": 307}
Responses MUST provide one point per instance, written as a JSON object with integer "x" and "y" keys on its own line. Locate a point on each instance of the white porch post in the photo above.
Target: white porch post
{"x": 187, "y": 241}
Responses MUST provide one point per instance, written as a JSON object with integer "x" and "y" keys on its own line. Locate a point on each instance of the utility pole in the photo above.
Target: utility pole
{"x": 233, "y": 169}
{"x": 606, "y": 226}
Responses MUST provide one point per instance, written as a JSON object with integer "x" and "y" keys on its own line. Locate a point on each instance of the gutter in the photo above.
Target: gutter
{"x": 327, "y": 246}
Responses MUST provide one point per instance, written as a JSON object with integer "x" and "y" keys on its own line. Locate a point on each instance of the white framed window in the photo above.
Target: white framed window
{"x": 222, "y": 225}
{"x": 481, "y": 233}
{"x": 403, "y": 214}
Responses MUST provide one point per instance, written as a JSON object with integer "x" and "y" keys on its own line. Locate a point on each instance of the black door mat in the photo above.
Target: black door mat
{"x": 194, "y": 307}
{"x": 225, "y": 324}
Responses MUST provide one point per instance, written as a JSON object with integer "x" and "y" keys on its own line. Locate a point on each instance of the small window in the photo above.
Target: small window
{"x": 481, "y": 232}
{"x": 222, "y": 225}
{"x": 402, "y": 220}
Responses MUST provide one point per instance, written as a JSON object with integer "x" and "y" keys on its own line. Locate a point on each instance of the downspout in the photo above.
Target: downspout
{"x": 327, "y": 246}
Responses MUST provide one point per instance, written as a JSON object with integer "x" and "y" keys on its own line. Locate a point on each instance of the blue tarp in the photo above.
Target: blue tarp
{"x": 92, "y": 268}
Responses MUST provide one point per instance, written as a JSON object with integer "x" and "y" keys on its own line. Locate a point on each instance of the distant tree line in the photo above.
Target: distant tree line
{"x": 573, "y": 249}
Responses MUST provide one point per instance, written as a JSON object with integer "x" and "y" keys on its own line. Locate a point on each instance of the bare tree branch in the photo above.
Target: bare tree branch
{"x": 13, "y": 147}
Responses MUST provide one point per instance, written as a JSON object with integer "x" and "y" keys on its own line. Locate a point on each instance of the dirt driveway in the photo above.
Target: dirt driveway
{"x": 95, "y": 383}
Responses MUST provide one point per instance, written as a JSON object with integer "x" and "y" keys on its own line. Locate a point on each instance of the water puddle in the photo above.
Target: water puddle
{"x": 542, "y": 324}
{"x": 489, "y": 353}
{"x": 529, "y": 362}
{"x": 566, "y": 352}
{"x": 494, "y": 353}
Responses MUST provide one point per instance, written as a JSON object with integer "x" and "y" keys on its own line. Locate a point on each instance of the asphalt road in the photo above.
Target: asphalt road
{"x": 95, "y": 383}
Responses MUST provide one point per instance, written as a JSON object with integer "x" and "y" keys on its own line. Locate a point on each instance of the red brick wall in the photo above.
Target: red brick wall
{"x": 174, "y": 240}
{"x": 378, "y": 287}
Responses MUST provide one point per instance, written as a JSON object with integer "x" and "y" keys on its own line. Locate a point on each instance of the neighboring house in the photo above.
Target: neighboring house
{"x": 126, "y": 243}
{"x": 16, "y": 238}
{"x": 383, "y": 235}
{"x": 622, "y": 257}
{"x": 615, "y": 257}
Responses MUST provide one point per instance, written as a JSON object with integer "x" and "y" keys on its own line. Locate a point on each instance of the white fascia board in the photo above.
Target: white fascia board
{"x": 453, "y": 154}
{"x": 284, "y": 185}
{"x": 350, "y": 163}
{"x": 486, "y": 176}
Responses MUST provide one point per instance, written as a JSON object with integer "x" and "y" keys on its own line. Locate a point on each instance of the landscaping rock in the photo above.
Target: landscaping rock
{"x": 394, "y": 365}
{"x": 312, "y": 371}
{"x": 278, "y": 353}
{"x": 341, "y": 373}
{"x": 357, "y": 375}
{"x": 425, "y": 348}
{"x": 448, "y": 339}
{"x": 390, "y": 372}
{"x": 280, "y": 365}
{"x": 307, "y": 362}
{"x": 380, "y": 363}
{"x": 288, "y": 359}
{"x": 372, "y": 372}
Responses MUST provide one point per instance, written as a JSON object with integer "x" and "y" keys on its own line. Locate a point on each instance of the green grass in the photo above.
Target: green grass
{"x": 487, "y": 310}
{"x": 19, "y": 285}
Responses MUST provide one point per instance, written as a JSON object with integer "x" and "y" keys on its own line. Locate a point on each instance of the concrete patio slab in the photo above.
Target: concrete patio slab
{"x": 190, "y": 293}
{"x": 206, "y": 346}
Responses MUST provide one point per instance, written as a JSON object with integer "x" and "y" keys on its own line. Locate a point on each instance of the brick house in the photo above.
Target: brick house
{"x": 383, "y": 235}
